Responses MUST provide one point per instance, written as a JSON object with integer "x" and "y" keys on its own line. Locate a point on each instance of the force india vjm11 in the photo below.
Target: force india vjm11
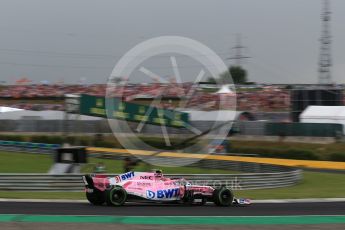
{"x": 153, "y": 186}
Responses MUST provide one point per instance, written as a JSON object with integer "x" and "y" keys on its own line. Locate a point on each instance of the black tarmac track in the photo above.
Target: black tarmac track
{"x": 262, "y": 209}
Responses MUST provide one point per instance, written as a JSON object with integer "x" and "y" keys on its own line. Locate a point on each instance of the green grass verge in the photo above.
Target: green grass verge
{"x": 313, "y": 185}
{"x": 13, "y": 162}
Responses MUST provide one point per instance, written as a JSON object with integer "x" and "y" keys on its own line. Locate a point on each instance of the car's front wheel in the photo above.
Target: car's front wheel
{"x": 223, "y": 197}
{"x": 116, "y": 196}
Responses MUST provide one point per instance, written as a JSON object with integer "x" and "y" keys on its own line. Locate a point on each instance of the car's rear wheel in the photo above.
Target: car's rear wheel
{"x": 223, "y": 197}
{"x": 116, "y": 196}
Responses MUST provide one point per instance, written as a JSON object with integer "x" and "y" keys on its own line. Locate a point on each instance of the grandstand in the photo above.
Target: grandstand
{"x": 50, "y": 97}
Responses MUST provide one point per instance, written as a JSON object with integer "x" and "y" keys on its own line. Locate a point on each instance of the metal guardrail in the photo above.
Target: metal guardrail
{"x": 73, "y": 182}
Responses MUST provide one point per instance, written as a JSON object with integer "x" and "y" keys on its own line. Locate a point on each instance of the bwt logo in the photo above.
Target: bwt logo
{"x": 126, "y": 176}
{"x": 168, "y": 193}
{"x": 150, "y": 194}
{"x": 165, "y": 193}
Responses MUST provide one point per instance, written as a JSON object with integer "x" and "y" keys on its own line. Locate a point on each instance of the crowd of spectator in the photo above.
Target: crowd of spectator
{"x": 260, "y": 99}
{"x": 264, "y": 100}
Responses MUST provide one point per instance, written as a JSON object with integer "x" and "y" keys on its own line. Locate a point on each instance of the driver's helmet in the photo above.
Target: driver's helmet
{"x": 158, "y": 173}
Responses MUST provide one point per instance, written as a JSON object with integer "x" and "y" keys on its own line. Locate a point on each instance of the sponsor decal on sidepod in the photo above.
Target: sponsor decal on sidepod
{"x": 123, "y": 177}
{"x": 164, "y": 193}
{"x": 146, "y": 177}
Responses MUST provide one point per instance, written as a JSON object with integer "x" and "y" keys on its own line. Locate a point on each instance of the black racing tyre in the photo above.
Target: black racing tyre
{"x": 96, "y": 197}
{"x": 116, "y": 196}
{"x": 223, "y": 197}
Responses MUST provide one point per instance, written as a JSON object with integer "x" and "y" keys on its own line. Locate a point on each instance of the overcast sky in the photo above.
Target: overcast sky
{"x": 66, "y": 40}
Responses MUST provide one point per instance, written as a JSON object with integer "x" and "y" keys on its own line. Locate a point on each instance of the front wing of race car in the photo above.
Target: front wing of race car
{"x": 241, "y": 202}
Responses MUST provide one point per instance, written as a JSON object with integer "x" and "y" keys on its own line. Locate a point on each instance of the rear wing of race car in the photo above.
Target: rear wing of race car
{"x": 88, "y": 181}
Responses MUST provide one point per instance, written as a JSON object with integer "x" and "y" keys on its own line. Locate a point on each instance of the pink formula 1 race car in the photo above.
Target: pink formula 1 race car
{"x": 154, "y": 187}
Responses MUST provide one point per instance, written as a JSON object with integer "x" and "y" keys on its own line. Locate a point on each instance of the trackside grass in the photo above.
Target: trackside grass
{"x": 13, "y": 162}
{"x": 313, "y": 185}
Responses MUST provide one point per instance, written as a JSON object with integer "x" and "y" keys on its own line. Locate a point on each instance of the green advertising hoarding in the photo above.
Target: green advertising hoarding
{"x": 96, "y": 106}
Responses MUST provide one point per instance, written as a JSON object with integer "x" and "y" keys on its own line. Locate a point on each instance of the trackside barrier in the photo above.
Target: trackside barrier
{"x": 246, "y": 181}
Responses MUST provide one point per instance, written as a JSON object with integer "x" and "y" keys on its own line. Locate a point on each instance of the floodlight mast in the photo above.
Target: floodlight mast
{"x": 325, "y": 59}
